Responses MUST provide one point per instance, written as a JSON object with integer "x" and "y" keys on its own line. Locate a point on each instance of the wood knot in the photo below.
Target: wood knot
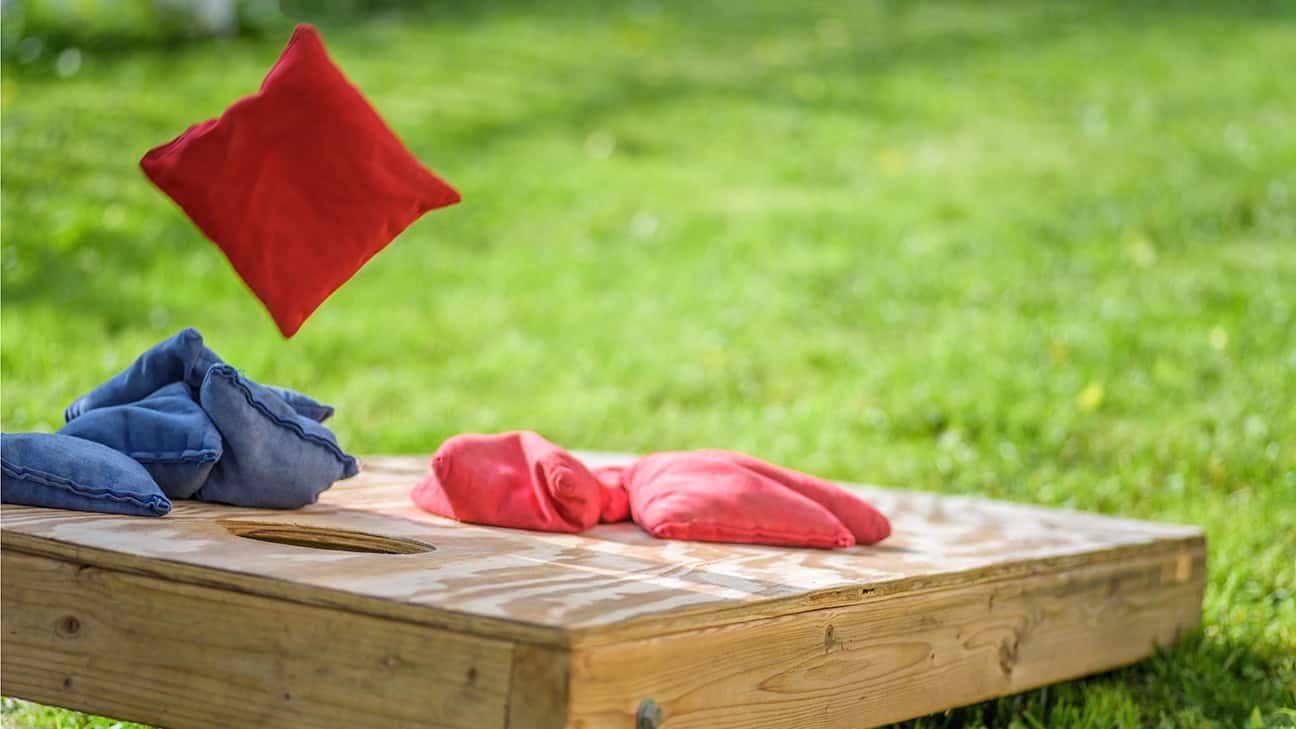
{"x": 830, "y": 640}
{"x": 69, "y": 625}
{"x": 1008, "y": 654}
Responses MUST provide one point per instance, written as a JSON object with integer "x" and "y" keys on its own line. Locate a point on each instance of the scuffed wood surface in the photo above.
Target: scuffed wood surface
{"x": 612, "y": 583}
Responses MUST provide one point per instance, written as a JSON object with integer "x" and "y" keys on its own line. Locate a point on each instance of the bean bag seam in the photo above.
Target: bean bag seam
{"x": 203, "y": 456}
{"x": 755, "y": 533}
{"x": 232, "y": 376}
{"x": 48, "y": 479}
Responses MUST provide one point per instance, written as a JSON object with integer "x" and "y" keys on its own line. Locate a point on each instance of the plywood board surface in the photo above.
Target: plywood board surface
{"x": 611, "y": 583}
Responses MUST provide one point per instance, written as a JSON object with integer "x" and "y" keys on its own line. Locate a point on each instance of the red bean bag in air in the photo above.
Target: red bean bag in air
{"x": 298, "y": 184}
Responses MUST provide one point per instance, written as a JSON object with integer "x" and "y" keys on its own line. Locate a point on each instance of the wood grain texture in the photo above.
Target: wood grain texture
{"x": 217, "y": 617}
{"x": 893, "y": 659}
{"x": 177, "y": 655}
{"x": 540, "y": 687}
{"x": 611, "y": 583}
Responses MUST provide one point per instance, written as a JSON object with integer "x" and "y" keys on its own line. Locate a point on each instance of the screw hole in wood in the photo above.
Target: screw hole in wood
{"x": 649, "y": 715}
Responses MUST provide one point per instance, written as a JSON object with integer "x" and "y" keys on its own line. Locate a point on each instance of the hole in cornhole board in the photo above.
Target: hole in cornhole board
{"x": 338, "y": 540}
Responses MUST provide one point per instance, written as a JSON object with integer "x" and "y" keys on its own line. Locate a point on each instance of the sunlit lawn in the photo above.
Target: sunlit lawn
{"x": 1032, "y": 251}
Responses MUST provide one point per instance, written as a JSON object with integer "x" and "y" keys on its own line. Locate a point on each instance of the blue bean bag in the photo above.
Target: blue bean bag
{"x": 204, "y": 431}
{"x": 274, "y": 457}
{"x": 62, "y": 472}
{"x": 166, "y": 431}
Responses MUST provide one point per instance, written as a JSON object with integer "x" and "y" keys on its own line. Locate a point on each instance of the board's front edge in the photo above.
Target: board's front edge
{"x": 897, "y": 658}
{"x": 185, "y": 656}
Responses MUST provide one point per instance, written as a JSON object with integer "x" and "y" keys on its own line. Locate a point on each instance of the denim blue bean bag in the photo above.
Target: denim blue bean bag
{"x": 274, "y": 457}
{"x": 166, "y": 431}
{"x": 182, "y": 358}
{"x": 62, "y": 472}
{"x": 208, "y": 440}
{"x": 304, "y": 406}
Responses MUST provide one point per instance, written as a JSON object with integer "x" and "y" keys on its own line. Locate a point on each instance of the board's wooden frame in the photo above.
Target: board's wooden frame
{"x": 180, "y": 645}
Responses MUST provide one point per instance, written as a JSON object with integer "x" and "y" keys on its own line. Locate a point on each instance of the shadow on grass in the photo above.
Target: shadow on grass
{"x": 897, "y": 42}
{"x": 169, "y": 35}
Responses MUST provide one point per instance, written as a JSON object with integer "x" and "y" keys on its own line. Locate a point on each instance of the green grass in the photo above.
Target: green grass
{"x": 1034, "y": 251}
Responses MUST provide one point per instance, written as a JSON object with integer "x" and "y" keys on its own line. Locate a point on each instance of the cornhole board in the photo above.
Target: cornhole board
{"x": 224, "y": 617}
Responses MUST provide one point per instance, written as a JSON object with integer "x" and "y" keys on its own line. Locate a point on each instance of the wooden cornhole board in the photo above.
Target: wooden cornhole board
{"x": 185, "y": 621}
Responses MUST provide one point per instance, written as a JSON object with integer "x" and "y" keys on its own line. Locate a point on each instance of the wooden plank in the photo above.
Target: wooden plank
{"x": 178, "y": 655}
{"x": 893, "y": 659}
{"x": 610, "y": 584}
{"x": 540, "y": 687}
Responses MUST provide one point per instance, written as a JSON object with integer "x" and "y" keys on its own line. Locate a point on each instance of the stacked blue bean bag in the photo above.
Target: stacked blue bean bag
{"x": 178, "y": 423}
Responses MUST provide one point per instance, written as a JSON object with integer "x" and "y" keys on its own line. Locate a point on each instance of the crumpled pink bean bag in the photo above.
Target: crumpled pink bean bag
{"x": 523, "y": 481}
{"x": 721, "y": 496}
{"x": 518, "y": 480}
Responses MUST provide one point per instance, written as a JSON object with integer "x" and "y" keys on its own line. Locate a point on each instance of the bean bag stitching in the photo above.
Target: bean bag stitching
{"x": 232, "y": 376}
{"x": 200, "y": 456}
{"x": 719, "y": 527}
{"x": 48, "y": 479}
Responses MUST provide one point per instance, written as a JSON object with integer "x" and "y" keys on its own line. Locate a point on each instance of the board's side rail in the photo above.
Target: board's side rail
{"x": 914, "y": 653}
{"x": 1187, "y": 552}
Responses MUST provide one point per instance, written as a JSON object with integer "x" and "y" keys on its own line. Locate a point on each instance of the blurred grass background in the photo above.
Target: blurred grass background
{"x": 1034, "y": 251}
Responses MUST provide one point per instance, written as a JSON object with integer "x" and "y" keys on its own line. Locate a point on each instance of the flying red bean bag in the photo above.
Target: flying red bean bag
{"x": 299, "y": 184}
